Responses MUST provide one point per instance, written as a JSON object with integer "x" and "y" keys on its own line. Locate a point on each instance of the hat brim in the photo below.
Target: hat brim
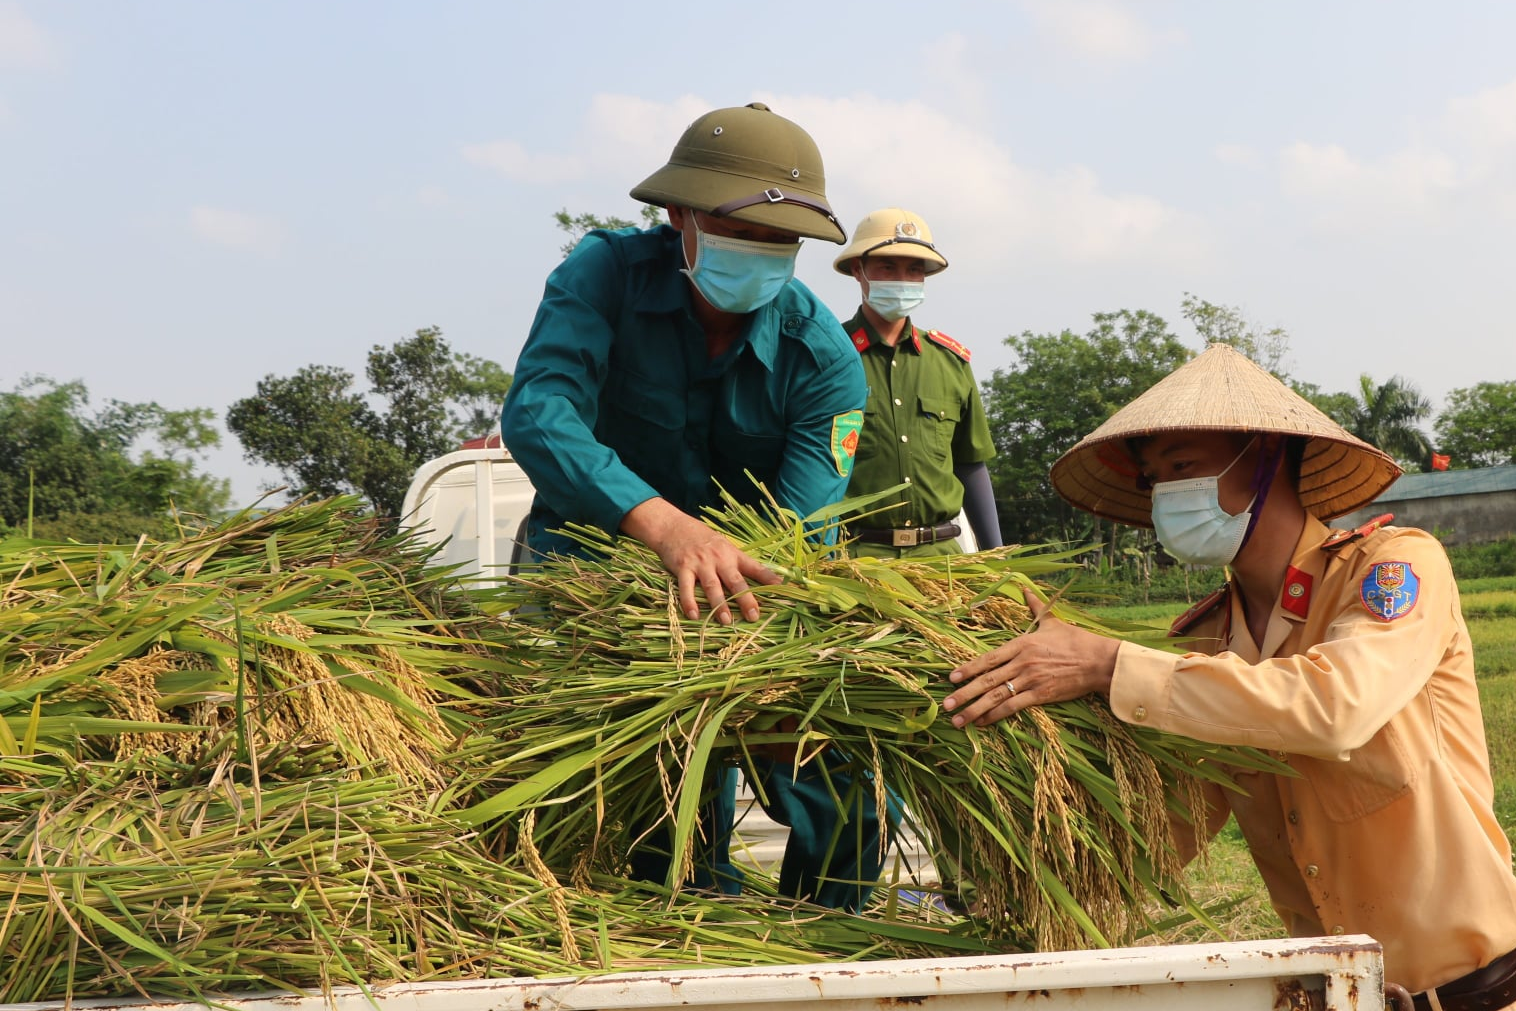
{"x": 1221, "y": 391}
{"x": 704, "y": 189}
{"x": 935, "y": 261}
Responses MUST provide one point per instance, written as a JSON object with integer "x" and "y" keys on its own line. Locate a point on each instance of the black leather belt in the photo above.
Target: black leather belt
{"x": 907, "y": 537}
{"x": 1493, "y": 986}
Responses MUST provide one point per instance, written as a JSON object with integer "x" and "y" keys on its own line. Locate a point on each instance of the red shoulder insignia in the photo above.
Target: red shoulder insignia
{"x": 1342, "y": 538}
{"x": 1186, "y": 621}
{"x": 943, "y": 340}
{"x": 861, "y": 339}
{"x": 1295, "y": 595}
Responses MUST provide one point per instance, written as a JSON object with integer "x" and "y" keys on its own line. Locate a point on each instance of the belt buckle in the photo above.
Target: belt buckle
{"x": 905, "y": 538}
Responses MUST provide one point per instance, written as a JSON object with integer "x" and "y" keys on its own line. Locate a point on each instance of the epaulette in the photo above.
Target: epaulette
{"x": 861, "y": 340}
{"x": 943, "y": 340}
{"x": 1205, "y": 606}
{"x": 1341, "y": 538}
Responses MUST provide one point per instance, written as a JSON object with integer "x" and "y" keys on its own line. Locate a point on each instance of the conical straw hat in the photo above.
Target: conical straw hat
{"x": 1220, "y": 389}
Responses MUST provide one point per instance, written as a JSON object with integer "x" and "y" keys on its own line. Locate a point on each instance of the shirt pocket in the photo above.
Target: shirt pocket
{"x": 759, "y": 452}
{"x": 644, "y": 425}
{"x": 939, "y": 420}
{"x": 1373, "y": 777}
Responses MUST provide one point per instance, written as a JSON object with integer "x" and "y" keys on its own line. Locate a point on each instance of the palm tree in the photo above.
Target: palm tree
{"x": 1389, "y": 416}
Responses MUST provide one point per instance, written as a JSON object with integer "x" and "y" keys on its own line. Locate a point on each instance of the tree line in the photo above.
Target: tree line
{"x": 67, "y": 470}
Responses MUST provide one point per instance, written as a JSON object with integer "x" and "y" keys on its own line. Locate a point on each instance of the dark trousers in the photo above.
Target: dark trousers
{"x": 833, "y": 855}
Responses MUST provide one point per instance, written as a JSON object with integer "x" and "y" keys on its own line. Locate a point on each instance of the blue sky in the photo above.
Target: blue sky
{"x": 198, "y": 194}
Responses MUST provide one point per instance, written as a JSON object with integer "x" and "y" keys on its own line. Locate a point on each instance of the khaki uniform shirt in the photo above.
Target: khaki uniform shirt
{"x": 1364, "y": 685}
{"x": 922, "y": 418}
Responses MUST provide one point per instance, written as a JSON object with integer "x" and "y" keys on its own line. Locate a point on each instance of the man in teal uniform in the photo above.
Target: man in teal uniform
{"x": 924, "y": 423}
{"x": 664, "y": 362}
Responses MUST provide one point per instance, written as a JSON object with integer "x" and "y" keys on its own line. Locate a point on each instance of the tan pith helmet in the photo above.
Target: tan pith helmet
{"x": 893, "y": 231}
{"x": 1221, "y": 390}
{"x": 751, "y": 164}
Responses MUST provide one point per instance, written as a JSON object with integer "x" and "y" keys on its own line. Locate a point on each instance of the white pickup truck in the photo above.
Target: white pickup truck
{"x": 1306, "y": 974}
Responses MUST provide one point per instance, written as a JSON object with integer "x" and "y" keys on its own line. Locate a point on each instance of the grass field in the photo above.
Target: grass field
{"x": 1228, "y": 876}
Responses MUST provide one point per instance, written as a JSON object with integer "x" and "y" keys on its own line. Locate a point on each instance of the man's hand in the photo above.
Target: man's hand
{"x": 697, "y": 555}
{"x": 1052, "y": 663}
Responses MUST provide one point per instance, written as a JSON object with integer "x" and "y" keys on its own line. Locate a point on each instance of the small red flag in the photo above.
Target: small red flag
{"x": 1440, "y": 462}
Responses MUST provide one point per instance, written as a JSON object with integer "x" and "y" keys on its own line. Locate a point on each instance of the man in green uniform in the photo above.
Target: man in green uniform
{"x": 924, "y": 425}
{"x": 663, "y": 363}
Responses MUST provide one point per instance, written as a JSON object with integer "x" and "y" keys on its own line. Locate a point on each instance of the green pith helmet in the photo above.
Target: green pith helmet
{"x": 750, "y": 164}
{"x": 893, "y": 231}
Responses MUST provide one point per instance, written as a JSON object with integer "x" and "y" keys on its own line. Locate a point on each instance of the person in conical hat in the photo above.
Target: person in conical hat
{"x": 669, "y": 363}
{"x": 925, "y": 425}
{"x": 1343, "y": 653}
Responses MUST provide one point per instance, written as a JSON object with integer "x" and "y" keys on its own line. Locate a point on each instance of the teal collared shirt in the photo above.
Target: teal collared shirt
{"x": 614, "y": 401}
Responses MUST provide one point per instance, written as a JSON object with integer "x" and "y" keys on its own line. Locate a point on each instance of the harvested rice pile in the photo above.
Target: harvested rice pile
{"x": 286, "y": 753}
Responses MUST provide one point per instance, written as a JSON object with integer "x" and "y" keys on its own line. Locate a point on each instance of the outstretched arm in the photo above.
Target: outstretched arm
{"x": 1054, "y": 662}
{"x": 697, "y": 555}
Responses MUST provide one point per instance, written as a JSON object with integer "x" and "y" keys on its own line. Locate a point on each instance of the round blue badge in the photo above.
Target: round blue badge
{"x": 1390, "y": 590}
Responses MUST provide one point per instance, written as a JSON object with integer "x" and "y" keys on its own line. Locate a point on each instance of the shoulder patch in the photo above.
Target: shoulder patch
{"x": 1205, "y": 606}
{"x": 943, "y": 340}
{"x": 860, "y": 339}
{"x": 1390, "y": 590}
{"x": 1342, "y": 538}
{"x": 845, "y": 429}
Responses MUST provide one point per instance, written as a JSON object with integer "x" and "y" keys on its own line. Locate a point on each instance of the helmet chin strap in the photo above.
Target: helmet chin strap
{"x": 1263, "y": 478}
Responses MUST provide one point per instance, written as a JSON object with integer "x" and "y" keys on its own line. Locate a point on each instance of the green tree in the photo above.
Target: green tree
{"x": 327, "y": 438}
{"x": 579, "y": 225}
{"x": 1389, "y": 415}
{"x": 70, "y": 472}
{"x": 1061, "y": 389}
{"x": 1477, "y": 428}
{"x": 1224, "y": 324}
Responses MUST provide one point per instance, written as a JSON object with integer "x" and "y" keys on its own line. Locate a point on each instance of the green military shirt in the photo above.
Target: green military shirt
{"x": 923, "y": 417}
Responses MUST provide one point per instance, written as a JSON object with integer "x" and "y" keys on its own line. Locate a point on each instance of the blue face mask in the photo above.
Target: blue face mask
{"x": 739, "y": 275}
{"x": 895, "y": 299}
{"x": 1192, "y": 526}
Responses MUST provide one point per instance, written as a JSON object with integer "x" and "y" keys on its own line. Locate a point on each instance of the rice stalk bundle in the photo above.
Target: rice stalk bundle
{"x": 302, "y": 624}
{"x": 115, "y": 884}
{"x": 205, "y": 785}
{"x": 1060, "y": 817}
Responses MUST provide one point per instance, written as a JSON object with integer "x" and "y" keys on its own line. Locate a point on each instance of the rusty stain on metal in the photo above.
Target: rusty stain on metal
{"x": 1292, "y": 995}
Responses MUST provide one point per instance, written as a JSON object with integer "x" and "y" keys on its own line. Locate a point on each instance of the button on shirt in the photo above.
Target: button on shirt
{"x": 1389, "y": 829}
{"x": 615, "y": 402}
{"x": 923, "y": 417}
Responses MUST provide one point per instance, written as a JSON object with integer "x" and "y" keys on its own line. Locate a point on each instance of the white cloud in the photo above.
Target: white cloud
{"x": 972, "y": 189}
{"x": 23, "y": 42}
{"x": 236, "y": 229}
{"x": 1466, "y": 174}
{"x": 1095, "y": 30}
{"x": 513, "y": 161}
{"x": 618, "y": 131}
{"x": 1485, "y": 123}
{"x": 1413, "y": 180}
{"x": 433, "y": 196}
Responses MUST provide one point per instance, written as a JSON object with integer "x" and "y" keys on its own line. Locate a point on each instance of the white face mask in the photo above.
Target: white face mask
{"x": 740, "y": 275}
{"x": 1191, "y": 524}
{"x": 895, "y": 299}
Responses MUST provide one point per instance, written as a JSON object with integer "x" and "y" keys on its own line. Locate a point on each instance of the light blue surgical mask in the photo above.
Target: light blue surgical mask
{"x": 1191, "y": 524}
{"x": 739, "y": 275}
{"x": 895, "y": 299}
